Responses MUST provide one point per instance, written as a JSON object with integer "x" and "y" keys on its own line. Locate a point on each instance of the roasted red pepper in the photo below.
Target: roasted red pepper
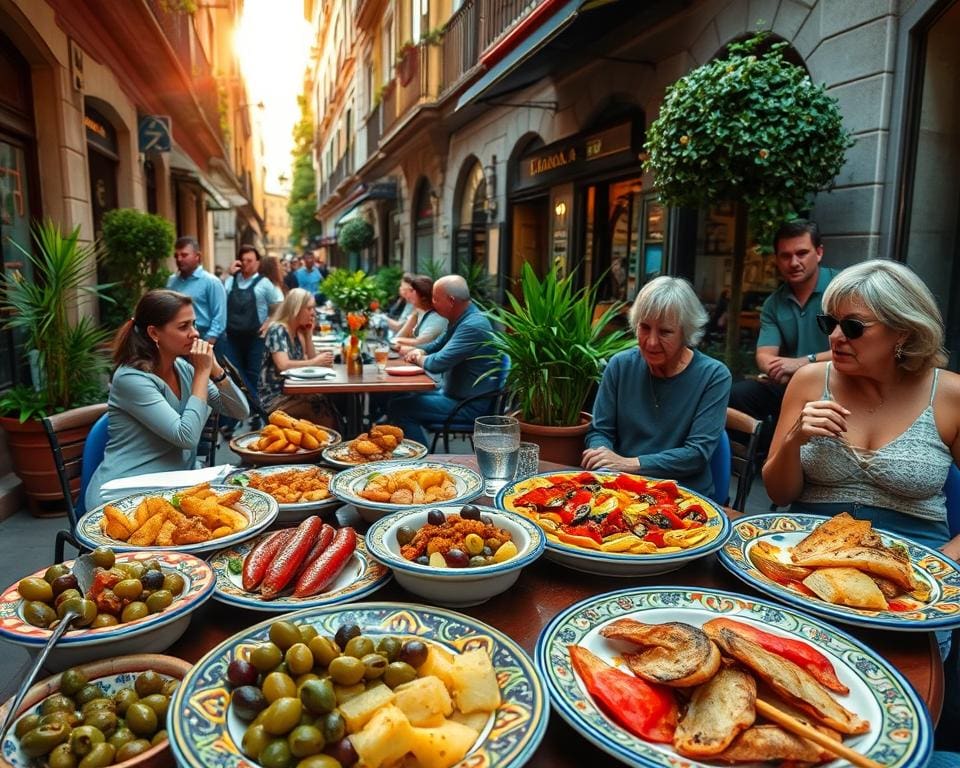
{"x": 569, "y": 509}
{"x": 800, "y": 653}
{"x": 655, "y": 537}
{"x": 588, "y": 530}
{"x": 667, "y": 511}
{"x": 613, "y": 523}
{"x": 669, "y": 488}
{"x": 648, "y": 711}
{"x": 631, "y": 484}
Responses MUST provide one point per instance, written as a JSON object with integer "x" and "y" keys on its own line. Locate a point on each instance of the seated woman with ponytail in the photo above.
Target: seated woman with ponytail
{"x": 165, "y": 383}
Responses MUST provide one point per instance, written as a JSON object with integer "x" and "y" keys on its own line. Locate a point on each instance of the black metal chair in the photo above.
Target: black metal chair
{"x": 209, "y": 440}
{"x": 252, "y": 400}
{"x": 743, "y": 458}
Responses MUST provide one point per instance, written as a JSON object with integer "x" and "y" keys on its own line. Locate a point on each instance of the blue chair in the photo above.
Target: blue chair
{"x": 951, "y": 490}
{"x": 456, "y": 423}
{"x": 93, "y": 450}
{"x": 720, "y": 464}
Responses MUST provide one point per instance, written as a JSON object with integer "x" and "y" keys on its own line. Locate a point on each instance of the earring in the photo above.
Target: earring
{"x": 898, "y": 351}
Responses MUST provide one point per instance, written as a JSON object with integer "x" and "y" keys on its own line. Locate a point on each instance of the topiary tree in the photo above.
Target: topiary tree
{"x": 136, "y": 244}
{"x": 355, "y": 235}
{"x": 751, "y": 129}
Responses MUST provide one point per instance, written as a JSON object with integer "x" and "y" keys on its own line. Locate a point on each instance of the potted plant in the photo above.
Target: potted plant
{"x": 557, "y": 354}
{"x": 406, "y": 62}
{"x": 71, "y": 361}
{"x": 354, "y": 294}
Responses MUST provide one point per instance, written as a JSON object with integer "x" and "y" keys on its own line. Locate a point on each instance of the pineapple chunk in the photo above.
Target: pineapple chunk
{"x": 475, "y": 720}
{"x": 438, "y": 664}
{"x": 385, "y": 738}
{"x": 443, "y": 746}
{"x": 425, "y": 701}
{"x": 474, "y": 681}
{"x": 358, "y": 710}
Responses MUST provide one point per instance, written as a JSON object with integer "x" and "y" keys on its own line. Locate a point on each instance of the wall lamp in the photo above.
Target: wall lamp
{"x": 490, "y": 174}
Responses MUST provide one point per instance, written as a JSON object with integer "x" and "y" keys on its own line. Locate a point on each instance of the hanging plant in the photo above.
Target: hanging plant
{"x": 355, "y": 235}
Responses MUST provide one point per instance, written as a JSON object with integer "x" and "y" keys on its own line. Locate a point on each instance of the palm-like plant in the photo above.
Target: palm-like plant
{"x": 557, "y": 350}
{"x": 71, "y": 360}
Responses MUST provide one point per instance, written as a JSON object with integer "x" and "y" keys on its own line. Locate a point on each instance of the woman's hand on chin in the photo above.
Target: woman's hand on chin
{"x": 604, "y": 458}
{"x": 201, "y": 356}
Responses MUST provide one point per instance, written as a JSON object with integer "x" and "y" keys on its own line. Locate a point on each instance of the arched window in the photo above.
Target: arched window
{"x": 470, "y": 245}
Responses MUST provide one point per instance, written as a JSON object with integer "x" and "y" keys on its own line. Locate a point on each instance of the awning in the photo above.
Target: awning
{"x": 380, "y": 190}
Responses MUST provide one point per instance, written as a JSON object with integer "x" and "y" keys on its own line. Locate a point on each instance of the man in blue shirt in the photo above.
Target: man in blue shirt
{"x": 309, "y": 276}
{"x": 462, "y": 355}
{"x": 209, "y": 297}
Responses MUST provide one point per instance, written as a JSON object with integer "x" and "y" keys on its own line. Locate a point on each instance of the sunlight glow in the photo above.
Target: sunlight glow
{"x": 273, "y": 45}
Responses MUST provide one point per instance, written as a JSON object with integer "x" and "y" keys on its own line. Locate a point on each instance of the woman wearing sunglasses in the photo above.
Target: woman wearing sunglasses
{"x": 873, "y": 432}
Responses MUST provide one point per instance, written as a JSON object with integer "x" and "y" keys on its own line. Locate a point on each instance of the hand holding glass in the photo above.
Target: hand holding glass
{"x": 497, "y": 443}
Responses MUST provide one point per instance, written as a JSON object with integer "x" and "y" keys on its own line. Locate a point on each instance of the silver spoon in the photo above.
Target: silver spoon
{"x": 83, "y": 569}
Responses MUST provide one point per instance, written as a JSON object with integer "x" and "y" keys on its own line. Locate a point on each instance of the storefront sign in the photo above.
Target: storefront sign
{"x": 154, "y": 133}
{"x": 100, "y": 133}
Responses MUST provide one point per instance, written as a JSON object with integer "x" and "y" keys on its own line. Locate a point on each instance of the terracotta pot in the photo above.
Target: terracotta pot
{"x": 563, "y": 445}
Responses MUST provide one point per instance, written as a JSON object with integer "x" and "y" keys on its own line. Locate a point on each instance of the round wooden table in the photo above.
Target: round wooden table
{"x": 543, "y": 590}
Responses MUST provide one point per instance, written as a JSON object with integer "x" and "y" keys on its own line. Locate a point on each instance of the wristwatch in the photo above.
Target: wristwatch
{"x": 221, "y": 377}
{"x": 812, "y": 357}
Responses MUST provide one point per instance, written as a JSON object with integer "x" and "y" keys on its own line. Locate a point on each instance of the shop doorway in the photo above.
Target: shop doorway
{"x": 103, "y": 162}
{"x": 613, "y": 238}
{"x": 529, "y": 239}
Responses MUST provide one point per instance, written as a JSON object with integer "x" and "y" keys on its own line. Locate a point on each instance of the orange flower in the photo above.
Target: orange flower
{"x": 374, "y": 305}
{"x": 356, "y": 320}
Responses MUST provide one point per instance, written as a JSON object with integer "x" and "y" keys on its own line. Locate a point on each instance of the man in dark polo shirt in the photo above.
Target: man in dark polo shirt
{"x": 789, "y": 336}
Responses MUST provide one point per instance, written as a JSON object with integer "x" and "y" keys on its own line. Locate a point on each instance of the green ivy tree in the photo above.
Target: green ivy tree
{"x": 302, "y": 203}
{"x": 752, "y": 129}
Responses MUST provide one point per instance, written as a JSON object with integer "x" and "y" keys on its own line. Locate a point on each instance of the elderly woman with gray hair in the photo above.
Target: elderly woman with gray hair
{"x": 661, "y": 409}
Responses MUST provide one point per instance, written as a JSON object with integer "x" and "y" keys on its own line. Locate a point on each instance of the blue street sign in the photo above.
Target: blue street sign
{"x": 154, "y": 133}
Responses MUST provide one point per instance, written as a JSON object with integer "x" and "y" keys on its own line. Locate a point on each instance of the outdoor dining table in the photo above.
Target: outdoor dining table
{"x": 543, "y": 590}
{"x": 370, "y": 381}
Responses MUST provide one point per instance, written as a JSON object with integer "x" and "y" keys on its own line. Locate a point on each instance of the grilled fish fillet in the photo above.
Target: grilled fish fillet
{"x": 789, "y": 681}
{"x": 719, "y": 710}
{"x": 838, "y": 532}
{"x": 763, "y": 743}
{"x": 877, "y": 561}
{"x": 675, "y": 654}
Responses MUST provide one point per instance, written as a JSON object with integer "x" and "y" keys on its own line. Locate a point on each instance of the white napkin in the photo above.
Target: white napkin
{"x": 310, "y": 372}
{"x": 178, "y": 479}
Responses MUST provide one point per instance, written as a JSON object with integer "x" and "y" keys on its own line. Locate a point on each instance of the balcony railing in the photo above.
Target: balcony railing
{"x": 373, "y": 131}
{"x": 421, "y": 83}
{"x": 497, "y": 17}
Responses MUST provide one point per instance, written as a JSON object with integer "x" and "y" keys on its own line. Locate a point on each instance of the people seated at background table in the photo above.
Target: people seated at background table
{"x": 424, "y": 324}
{"x": 166, "y": 381}
{"x": 406, "y": 296}
{"x": 873, "y": 431}
{"x": 661, "y": 409}
{"x": 289, "y": 344}
{"x": 463, "y": 354}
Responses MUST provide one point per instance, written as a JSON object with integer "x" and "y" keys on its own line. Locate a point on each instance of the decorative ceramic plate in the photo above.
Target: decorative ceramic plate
{"x": 293, "y": 511}
{"x": 900, "y": 734}
{"x": 408, "y": 450}
{"x": 243, "y": 447}
{"x": 404, "y": 370}
{"x": 620, "y": 563}
{"x": 361, "y": 576}
{"x": 204, "y": 732}
{"x": 309, "y": 372}
{"x": 199, "y": 585}
{"x": 259, "y": 508}
{"x": 347, "y": 485}
{"x": 930, "y": 567}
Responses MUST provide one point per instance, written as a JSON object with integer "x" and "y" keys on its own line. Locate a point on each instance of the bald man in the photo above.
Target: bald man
{"x": 461, "y": 355}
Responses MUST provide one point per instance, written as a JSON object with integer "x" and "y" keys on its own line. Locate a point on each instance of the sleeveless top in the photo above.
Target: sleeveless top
{"x": 906, "y": 475}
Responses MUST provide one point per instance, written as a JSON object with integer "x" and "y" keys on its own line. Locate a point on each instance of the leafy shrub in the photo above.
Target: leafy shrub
{"x": 355, "y": 235}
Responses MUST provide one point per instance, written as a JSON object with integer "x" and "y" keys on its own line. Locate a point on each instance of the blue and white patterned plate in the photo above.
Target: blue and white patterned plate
{"x": 290, "y": 512}
{"x": 338, "y": 455}
{"x": 259, "y": 508}
{"x": 347, "y": 485}
{"x": 361, "y": 576}
{"x": 900, "y": 734}
{"x": 930, "y": 567}
{"x": 619, "y": 563}
{"x": 204, "y": 732}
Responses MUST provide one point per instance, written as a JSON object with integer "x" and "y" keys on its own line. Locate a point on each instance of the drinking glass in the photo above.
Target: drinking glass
{"x": 497, "y": 443}
{"x": 528, "y": 463}
{"x": 326, "y": 328}
{"x": 381, "y": 352}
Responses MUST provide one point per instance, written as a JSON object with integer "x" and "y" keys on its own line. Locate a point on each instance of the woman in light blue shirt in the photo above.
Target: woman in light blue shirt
{"x": 165, "y": 384}
{"x": 425, "y": 324}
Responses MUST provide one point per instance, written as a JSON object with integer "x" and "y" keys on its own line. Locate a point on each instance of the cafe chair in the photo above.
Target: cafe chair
{"x": 252, "y": 400}
{"x": 744, "y": 433}
{"x": 499, "y": 401}
{"x": 209, "y": 440}
{"x": 77, "y": 453}
{"x": 720, "y": 470}
{"x": 952, "y": 491}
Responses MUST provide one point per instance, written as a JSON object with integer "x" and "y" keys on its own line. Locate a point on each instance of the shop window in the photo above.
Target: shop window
{"x": 470, "y": 244}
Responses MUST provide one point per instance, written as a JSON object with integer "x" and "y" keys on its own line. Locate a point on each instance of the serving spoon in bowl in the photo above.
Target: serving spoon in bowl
{"x": 83, "y": 570}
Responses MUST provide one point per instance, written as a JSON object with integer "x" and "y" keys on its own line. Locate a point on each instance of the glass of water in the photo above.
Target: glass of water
{"x": 497, "y": 443}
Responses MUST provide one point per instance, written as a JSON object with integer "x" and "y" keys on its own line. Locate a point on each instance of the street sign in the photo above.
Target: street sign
{"x": 154, "y": 133}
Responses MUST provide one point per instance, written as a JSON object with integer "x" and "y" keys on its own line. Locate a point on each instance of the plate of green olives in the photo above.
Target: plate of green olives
{"x": 139, "y": 602}
{"x": 106, "y": 713}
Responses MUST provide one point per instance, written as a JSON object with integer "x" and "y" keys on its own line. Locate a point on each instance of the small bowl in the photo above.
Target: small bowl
{"x": 153, "y": 633}
{"x": 241, "y": 445}
{"x": 111, "y": 674}
{"x": 456, "y": 587}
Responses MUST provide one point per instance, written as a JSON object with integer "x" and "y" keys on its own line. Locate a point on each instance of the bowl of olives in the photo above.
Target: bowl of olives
{"x": 456, "y": 555}
{"x": 105, "y": 713}
{"x": 138, "y": 602}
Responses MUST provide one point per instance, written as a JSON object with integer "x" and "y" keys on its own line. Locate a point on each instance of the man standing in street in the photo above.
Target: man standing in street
{"x": 290, "y": 278}
{"x": 309, "y": 275}
{"x": 462, "y": 355}
{"x": 209, "y": 298}
{"x": 789, "y": 336}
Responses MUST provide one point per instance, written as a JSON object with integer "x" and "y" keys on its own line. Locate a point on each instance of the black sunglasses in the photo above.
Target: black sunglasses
{"x": 850, "y": 326}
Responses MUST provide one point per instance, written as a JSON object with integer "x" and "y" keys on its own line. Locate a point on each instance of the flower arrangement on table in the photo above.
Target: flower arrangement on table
{"x": 355, "y": 294}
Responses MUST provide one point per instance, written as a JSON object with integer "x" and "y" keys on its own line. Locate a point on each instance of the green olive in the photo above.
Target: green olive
{"x": 104, "y": 620}
{"x": 39, "y": 614}
{"x": 333, "y": 726}
{"x": 284, "y": 634}
{"x": 148, "y": 682}
{"x": 85, "y": 738}
{"x": 282, "y": 716}
{"x": 255, "y": 740}
{"x": 473, "y": 544}
{"x": 324, "y": 650}
{"x": 307, "y": 633}
{"x": 132, "y": 749}
{"x": 158, "y": 703}
{"x": 35, "y": 588}
{"x": 151, "y": 565}
{"x": 54, "y": 572}
{"x": 26, "y": 723}
{"x": 266, "y": 657}
{"x": 42, "y": 739}
{"x": 305, "y": 677}
{"x": 62, "y": 757}
{"x": 405, "y": 535}
{"x": 158, "y": 737}
{"x": 121, "y": 736}
{"x": 128, "y": 589}
{"x": 61, "y": 716}
{"x": 87, "y": 610}
{"x": 57, "y": 703}
{"x": 374, "y": 665}
{"x": 72, "y": 681}
{"x": 299, "y": 659}
{"x": 358, "y": 647}
{"x": 134, "y": 611}
{"x": 103, "y": 720}
{"x": 174, "y": 583}
{"x": 398, "y": 673}
{"x": 101, "y": 702}
{"x": 305, "y": 740}
{"x": 134, "y": 569}
{"x": 318, "y": 696}
{"x": 389, "y": 647}
{"x": 159, "y": 601}
{"x": 141, "y": 719}
{"x": 89, "y": 692}
{"x": 64, "y": 596}
{"x": 278, "y": 685}
{"x": 99, "y": 757}
{"x": 319, "y": 761}
{"x": 123, "y": 699}
{"x": 346, "y": 670}
{"x": 276, "y": 755}
{"x": 104, "y": 557}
